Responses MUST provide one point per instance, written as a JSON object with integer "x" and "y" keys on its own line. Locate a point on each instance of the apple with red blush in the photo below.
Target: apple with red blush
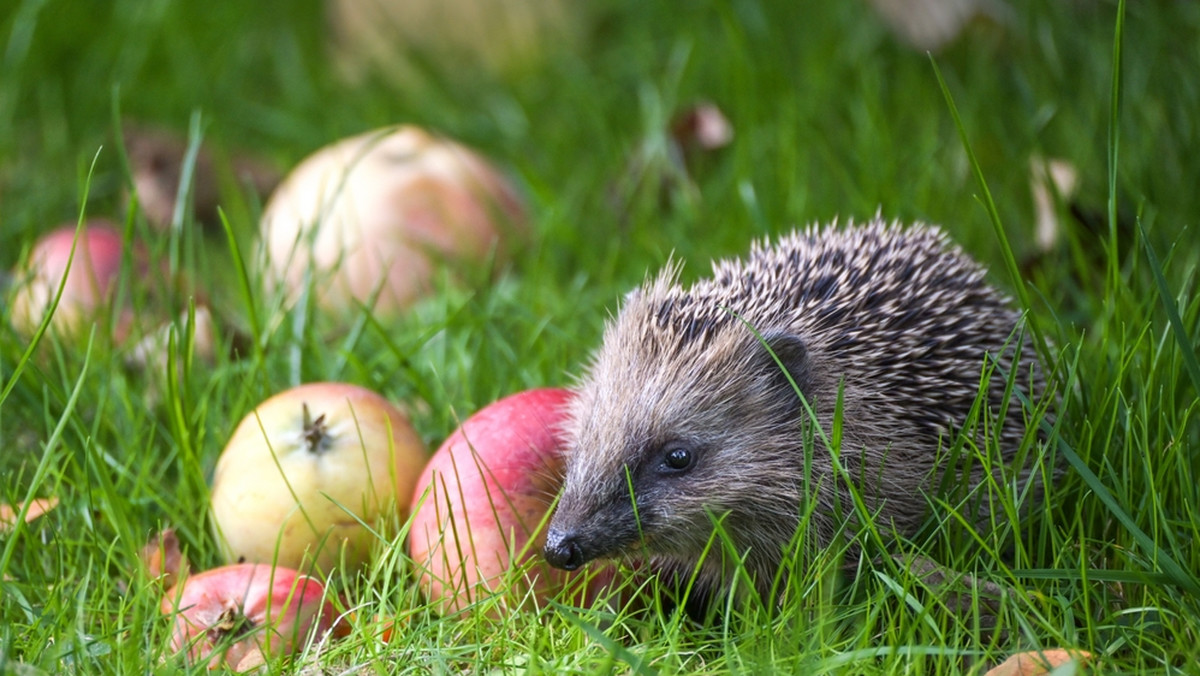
{"x": 229, "y": 616}
{"x": 85, "y": 262}
{"x": 371, "y": 220}
{"x": 480, "y": 508}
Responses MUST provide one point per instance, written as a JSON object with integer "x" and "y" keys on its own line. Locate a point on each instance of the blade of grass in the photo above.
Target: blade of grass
{"x": 1114, "y": 137}
{"x": 62, "y": 284}
{"x": 183, "y": 195}
{"x": 1094, "y": 575}
{"x": 243, "y": 278}
{"x": 1178, "y": 574}
{"x": 48, "y": 455}
{"x": 1006, "y": 253}
{"x": 636, "y": 664}
{"x": 1186, "y": 346}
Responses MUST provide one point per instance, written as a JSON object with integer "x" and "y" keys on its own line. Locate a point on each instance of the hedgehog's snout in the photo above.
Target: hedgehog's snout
{"x": 563, "y": 550}
{"x": 572, "y": 541}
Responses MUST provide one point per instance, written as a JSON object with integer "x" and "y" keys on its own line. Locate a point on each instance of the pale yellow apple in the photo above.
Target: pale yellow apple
{"x": 306, "y": 469}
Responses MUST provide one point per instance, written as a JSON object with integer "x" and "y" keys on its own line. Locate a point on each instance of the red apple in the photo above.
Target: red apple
{"x": 369, "y": 219}
{"x": 307, "y": 469}
{"x": 480, "y": 505}
{"x": 90, "y": 279}
{"x": 223, "y": 615}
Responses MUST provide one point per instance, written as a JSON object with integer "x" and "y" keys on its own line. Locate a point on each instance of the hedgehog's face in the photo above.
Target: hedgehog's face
{"x": 667, "y": 442}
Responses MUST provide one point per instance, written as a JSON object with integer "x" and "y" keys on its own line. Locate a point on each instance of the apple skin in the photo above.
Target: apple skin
{"x": 378, "y": 213}
{"x": 223, "y": 615}
{"x": 89, "y": 280}
{"x": 495, "y": 478}
{"x": 276, "y": 500}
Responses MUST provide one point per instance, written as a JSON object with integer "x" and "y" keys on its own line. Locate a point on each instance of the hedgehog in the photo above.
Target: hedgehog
{"x": 716, "y": 403}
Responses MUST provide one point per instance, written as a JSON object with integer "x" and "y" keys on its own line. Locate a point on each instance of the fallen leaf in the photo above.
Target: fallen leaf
{"x": 703, "y": 126}
{"x": 252, "y": 660}
{"x": 37, "y": 507}
{"x": 164, "y": 559}
{"x": 1051, "y": 181}
{"x": 387, "y": 627}
{"x": 1039, "y": 662}
{"x": 156, "y": 162}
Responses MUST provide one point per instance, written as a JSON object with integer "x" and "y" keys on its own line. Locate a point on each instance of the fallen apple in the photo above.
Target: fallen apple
{"x": 480, "y": 504}
{"x": 309, "y": 473}
{"x": 410, "y": 41}
{"x": 90, "y": 278}
{"x": 368, "y": 219}
{"x": 223, "y": 615}
{"x": 152, "y": 352}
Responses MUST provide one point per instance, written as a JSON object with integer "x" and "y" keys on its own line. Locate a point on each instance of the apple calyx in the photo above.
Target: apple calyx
{"x": 316, "y": 434}
{"x": 232, "y": 625}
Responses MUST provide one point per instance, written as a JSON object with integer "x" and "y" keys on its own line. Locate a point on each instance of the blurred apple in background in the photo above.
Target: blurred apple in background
{"x": 931, "y": 25}
{"x": 226, "y": 616}
{"x": 305, "y": 467}
{"x": 479, "y": 505}
{"x": 370, "y": 218}
{"x": 88, "y": 295}
{"x": 151, "y": 353}
{"x": 90, "y": 278}
{"x": 407, "y": 41}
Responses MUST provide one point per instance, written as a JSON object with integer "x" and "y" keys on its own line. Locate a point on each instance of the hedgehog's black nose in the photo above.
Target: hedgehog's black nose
{"x": 562, "y": 550}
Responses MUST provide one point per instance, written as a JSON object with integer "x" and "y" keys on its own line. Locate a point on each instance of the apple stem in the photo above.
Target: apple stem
{"x": 314, "y": 431}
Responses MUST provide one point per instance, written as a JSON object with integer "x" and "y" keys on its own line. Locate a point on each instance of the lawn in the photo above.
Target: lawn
{"x": 833, "y": 118}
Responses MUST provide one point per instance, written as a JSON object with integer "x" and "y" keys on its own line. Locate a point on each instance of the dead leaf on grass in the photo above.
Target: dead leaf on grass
{"x": 37, "y": 507}
{"x": 253, "y": 659}
{"x": 156, "y": 162}
{"x": 164, "y": 559}
{"x": 1039, "y": 662}
{"x": 1052, "y": 182}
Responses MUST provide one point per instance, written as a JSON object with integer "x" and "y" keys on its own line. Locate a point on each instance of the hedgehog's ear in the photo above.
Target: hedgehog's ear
{"x": 790, "y": 351}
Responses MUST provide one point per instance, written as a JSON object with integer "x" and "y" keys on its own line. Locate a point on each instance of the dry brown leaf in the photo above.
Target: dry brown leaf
{"x": 37, "y": 507}
{"x": 702, "y": 127}
{"x": 156, "y": 159}
{"x": 254, "y": 659}
{"x": 1039, "y": 662}
{"x": 1045, "y": 174}
{"x": 164, "y": 559}
{"x": 387, "y": 626}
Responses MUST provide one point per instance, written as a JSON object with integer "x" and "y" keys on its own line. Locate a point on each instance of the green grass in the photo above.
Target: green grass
{"x": 832, "y": 118}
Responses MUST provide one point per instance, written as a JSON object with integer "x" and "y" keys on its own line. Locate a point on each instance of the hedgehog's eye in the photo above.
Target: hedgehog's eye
{"x": 677, "y": 458}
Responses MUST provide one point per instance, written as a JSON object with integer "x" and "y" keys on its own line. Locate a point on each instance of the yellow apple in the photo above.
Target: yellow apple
{"x": 307, "y": 469}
